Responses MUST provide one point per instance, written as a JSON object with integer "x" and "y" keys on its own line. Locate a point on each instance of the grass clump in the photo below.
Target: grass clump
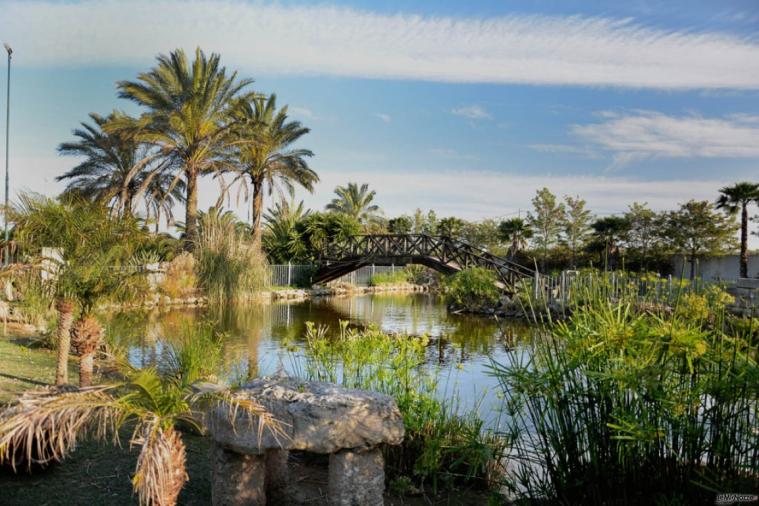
{"x": 230, "y": 267}
{"x": 625, "y": 404}
{"x": 441, "y": 448}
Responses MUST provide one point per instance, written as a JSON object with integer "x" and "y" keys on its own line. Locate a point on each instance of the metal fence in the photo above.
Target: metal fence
{"x": 300, "y": 274}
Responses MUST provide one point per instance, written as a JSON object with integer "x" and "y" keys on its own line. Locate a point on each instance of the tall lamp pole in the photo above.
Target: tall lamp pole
{"x": 6, "y": 250}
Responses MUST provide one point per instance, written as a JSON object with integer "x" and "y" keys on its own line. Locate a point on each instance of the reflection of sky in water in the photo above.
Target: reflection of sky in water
{"x": 269, "y": 336}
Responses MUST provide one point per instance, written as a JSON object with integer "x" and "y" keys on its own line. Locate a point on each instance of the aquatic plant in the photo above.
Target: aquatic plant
{"x": 631, "y": 403}
{"x": 442, "y": 446}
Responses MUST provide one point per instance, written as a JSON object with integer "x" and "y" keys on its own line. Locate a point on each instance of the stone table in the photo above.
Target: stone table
{"x": 348, "y": 425}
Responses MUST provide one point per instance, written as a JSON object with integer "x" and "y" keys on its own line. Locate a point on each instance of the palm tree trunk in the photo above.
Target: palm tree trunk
{"x": 191, "y": 211}
{"x": 126, "y": 203}
{"x": 744, "y": 241}
{"x": 65, "y": 318}
{"x": 258, "y": 205}
{"x": 86, "y": 366}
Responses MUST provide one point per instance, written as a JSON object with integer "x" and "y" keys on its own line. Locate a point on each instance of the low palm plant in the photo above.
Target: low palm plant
{"x": 46, "y": 425}
{"x": 87, "y": 257}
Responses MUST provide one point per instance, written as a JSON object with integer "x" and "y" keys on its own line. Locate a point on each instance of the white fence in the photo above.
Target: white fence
{"x": 300, "y": 274}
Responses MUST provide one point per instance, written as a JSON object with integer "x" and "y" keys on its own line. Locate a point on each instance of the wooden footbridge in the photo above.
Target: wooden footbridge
{"x": 442, "y": 254}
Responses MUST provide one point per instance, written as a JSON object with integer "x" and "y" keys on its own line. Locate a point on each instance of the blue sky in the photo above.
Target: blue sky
{"x": 465, "y": 107}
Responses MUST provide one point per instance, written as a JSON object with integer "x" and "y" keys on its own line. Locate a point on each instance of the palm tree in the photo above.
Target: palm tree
{"x": 45, "y": 425}
{"x": 112, "y": 165}
{"x": 517, "y": 232}
{"x": 268, "y": 163}
{"x": 189, "y": 118}
{"x": 282, "y": 241}
{"x": 356, "y": 201}
{"x": 160, "y": 194}
{"x": 737, "y": 198}
{"x": 94, "y": 262}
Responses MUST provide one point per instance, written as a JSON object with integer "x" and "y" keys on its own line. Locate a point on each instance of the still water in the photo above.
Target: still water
{"x": 266, "y": 339}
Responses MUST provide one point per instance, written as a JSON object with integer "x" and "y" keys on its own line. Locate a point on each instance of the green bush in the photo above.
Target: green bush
{"x": 472, "y": 289}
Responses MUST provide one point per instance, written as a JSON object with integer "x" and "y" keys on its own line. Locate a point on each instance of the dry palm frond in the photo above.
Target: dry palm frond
{"x": 160, "y": 473}
{"x": 251, "y": 410}
{"x": 44, "y": 425}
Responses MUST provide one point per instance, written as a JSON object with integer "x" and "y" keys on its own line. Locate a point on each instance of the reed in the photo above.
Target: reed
{"x": 636, "y": 403}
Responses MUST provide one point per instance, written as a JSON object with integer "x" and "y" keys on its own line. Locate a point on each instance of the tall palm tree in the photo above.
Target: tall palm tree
{"x": 189, "y": 118}
{"x": 160, "y": 194}
{"x": 737, "y": 198}
{"x": 517, "y": 232}
{"x": 268, "y": 163}
{"x": 113, "y": 162}
{"x": 356, "y": 201}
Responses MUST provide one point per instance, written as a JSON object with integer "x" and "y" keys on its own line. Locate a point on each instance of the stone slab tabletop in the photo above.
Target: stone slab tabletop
{"x": 315, "y": 417}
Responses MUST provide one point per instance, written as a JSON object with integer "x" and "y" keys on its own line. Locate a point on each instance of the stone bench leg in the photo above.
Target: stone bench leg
{"x": 237, "y": 480}
{"x": 277, "y": 474}
{"x": 356, "y": 478}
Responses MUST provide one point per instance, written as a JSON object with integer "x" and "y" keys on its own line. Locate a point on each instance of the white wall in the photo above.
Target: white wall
{"x": 722, "y": 267}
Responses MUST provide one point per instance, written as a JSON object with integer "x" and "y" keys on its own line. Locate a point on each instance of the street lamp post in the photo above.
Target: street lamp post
{"x": 6, "y": 250}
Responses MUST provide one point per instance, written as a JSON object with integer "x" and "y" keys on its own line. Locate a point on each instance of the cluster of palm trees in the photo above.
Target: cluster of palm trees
{"x": 198, "y": 119}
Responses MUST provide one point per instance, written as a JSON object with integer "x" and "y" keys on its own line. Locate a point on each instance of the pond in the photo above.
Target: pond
{"x": 266, "y": 339}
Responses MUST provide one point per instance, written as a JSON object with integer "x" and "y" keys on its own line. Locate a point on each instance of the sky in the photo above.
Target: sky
{"x": 464, "y": 107}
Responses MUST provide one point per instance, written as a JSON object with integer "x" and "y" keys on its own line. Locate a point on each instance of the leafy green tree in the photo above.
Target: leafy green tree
{"x": 189, "y": 119}
{"x": 356, "y": 201}
{"x": 483, "y": 234}
{"x": 576, "y": 225}
{"x": 696, "y": 229}
{"x": 424, "y": 224}
{"x": 96, "y": 263}
{"x": 450, "y": 227}
{"x": 737, "y": 198}
{"x": 516, "y": 232}
{"x": 269, "y": 162}
{"x": 282, "y": 241}
{"x": 644, "y": 232}
{"x": 546, "y": 222}
{"x": 400, "y": 225}
{"x": 609, "y": 233}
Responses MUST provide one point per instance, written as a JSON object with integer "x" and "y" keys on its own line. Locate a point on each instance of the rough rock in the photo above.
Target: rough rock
{"x": 316, "y": 417}
{"x": 237, "y": 479}
{"x": 356, "y": 478}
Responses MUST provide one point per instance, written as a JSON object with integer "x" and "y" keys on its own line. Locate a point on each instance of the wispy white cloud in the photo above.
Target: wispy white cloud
{"x": 564, "y": 149}
{"x": 472, "y": 112}
{"x": 263, "y": 37}
{"x": 385, "y": 118}
{"x": 647, "y": 134}
{"x": 303, "y": 112}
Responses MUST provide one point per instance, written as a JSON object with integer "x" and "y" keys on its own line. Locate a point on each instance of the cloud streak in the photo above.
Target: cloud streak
{"x": 650, "y": 135}
{"x": 326, "y": 40}
{"x": 472, "y": 112}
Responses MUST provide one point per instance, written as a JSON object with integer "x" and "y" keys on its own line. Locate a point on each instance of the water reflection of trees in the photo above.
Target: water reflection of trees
{"x": 273, "y": 328}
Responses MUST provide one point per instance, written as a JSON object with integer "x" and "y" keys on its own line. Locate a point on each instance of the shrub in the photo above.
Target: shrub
{"x": 472, "y": 289}
{"x": 397, "y": 277}
{"x": 180, "y": 279}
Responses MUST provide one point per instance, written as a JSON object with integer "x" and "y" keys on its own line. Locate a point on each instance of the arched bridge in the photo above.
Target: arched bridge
{"x": 443, "y": 254}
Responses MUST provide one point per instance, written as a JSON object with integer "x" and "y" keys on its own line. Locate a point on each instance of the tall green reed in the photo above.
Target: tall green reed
{"x": 626, "y": 402}
{"x": 442, "y": 445}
